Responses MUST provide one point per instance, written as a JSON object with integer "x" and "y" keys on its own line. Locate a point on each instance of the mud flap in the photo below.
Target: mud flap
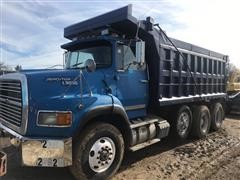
{"x": 3, "y": 163}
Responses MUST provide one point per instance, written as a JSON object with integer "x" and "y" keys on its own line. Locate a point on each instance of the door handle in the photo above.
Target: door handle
{"x": 144, "y": 81}
{"x": 116, "y": 77}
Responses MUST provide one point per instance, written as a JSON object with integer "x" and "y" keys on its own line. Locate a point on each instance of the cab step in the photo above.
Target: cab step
{"x": 147, "y": 131}
{"x": 143, "y": 145}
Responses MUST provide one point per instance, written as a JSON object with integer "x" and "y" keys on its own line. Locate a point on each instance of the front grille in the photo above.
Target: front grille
{"x": 11, "y": 101}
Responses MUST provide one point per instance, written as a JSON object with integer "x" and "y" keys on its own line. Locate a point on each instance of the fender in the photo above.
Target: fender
{"x": 110, "y": 109}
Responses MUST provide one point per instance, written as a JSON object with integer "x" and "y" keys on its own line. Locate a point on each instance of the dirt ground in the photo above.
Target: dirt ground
{"x": 215, "y": 157}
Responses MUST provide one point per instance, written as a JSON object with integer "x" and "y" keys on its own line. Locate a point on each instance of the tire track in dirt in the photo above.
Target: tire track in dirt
{"x": 195, "y": 160}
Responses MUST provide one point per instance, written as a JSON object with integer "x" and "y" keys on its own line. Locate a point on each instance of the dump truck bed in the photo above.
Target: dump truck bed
{"x": 173, "y": 79}
{"x": 197, "y": 76}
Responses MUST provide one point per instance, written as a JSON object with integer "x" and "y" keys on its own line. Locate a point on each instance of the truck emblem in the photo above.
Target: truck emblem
{"x": 64, "y": 80}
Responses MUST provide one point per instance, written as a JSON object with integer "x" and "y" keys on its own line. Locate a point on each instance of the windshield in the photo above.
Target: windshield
{"x": 100, "y": 54}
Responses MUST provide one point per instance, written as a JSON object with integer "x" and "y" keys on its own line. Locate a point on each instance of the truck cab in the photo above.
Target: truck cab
{"x": 119, "y": 67}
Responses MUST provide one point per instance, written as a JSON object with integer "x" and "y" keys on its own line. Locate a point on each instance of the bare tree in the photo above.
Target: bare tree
{"x": 232, "y": 71}
{"x": 18, "y": 68}
{"x": 5, "y": 68}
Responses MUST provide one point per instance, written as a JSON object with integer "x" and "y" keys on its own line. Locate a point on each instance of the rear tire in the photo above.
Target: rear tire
{"x": 182, "y": 123}
{"x": 217, "y": 114}
{"x": 201, "y": 121}
{"x": 98, "y": 152}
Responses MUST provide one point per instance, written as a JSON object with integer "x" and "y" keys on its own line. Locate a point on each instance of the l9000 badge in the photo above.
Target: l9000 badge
{"x": 66, "y": 81}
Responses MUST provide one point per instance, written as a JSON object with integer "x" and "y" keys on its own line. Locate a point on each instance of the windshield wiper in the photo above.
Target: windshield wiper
{"x": 75, "y": 65}
{"x": 54, "y": 66}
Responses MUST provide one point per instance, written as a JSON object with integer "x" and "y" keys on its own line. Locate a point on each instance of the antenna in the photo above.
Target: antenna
{"x": 180, "y": 53}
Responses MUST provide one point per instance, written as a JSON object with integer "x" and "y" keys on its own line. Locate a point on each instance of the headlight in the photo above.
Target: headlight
{"x": 55, "y": 119}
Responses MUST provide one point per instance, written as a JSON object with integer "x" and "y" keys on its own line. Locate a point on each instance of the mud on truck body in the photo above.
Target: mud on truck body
{"x": 125, "y": 86}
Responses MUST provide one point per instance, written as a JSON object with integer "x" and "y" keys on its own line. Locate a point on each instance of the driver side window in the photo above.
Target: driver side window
{"x": 125, "y": 58}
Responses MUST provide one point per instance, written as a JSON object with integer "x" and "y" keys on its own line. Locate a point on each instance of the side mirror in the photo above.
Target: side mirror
{"x": 140, "y": 52}
{"x": 90, "y": 65}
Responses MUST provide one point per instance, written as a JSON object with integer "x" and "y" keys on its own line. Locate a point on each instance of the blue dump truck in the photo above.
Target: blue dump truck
{"x": 125, "y": 86}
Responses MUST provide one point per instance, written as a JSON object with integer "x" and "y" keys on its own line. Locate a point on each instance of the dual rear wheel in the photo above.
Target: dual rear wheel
{"x": 181, "y": 123}
{"x": 197, "y": 121}
{"x": 218, "y": 114}
{"x": 202, "y": 121}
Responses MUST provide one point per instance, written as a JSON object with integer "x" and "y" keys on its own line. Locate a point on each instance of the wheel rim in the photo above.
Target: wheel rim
{"x": 183, "y": 123}
{"x": 204, "y": 122}
{"x": 218, "y": 117}
{"x": 102, "y": 154}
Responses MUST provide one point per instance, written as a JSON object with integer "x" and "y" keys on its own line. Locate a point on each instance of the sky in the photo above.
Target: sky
{"x": 32, "y": 31}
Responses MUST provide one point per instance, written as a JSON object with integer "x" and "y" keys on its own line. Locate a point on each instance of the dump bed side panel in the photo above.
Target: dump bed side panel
{"x": 195, "y": 77}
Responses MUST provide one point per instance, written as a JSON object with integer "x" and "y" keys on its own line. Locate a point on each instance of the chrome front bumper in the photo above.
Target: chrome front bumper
{"x": 47, "y": 152}
{"x": 42, "y": 152}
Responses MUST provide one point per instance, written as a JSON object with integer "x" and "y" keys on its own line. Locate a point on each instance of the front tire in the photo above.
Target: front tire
{"x": 97, "y": 152}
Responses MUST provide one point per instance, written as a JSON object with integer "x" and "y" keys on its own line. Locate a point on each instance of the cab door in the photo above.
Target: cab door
{"x": 132, "y": 82}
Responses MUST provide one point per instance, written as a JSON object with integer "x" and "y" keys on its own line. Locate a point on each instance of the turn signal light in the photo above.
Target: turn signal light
{"x": 64, "y": 119}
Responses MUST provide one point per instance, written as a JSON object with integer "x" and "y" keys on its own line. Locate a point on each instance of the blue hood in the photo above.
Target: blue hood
{"x": 56, "y": 83}
{"x": 59, "y": 90}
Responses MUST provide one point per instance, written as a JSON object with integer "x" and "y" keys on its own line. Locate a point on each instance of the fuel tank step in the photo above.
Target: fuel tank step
{"x": 148, "y": 130}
